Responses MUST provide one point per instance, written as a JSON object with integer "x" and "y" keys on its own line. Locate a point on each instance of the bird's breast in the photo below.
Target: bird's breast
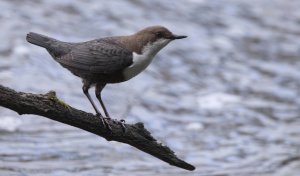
{"x": 140, "y": 63}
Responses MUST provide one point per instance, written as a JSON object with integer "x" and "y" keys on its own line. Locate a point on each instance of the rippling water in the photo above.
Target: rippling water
{"x": 226, "y": 99}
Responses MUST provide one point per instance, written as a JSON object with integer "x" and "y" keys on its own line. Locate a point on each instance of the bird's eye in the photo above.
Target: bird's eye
{"x": 158, "y": 34}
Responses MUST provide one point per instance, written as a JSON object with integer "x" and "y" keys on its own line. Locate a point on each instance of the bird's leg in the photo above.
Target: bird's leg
{"x": 85, "y": 89}
{"x": 103, "y": 107}
{"x": 98, "y": 90}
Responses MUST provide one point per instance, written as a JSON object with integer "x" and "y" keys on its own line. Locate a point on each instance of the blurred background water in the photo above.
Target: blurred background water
{"x": 226, "y": 99}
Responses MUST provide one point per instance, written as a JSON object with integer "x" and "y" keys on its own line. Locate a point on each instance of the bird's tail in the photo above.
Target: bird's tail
{"x": 40, "y": 40}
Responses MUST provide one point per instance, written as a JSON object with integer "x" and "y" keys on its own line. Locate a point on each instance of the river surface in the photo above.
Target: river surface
{"x": 226, "y": 99}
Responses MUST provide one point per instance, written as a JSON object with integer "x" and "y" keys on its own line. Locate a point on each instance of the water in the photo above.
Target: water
{"x": 226, "y": 99}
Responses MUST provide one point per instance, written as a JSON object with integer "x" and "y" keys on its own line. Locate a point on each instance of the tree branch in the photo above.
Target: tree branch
{"x": 49, "y": 106}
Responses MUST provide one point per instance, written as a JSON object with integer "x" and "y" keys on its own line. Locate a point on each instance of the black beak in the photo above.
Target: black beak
{"x": 174, "y": 37}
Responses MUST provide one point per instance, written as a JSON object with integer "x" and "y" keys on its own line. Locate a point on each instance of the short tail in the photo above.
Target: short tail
{"x": 40, "y": 40}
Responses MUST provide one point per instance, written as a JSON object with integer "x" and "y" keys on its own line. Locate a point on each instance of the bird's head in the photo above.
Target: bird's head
{"x": 154, "y": 38}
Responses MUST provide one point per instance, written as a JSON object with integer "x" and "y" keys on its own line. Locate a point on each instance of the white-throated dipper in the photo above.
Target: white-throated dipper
{"x": 107, "y": 60}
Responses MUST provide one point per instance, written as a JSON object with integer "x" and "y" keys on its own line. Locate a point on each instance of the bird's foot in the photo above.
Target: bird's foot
{"x": 116, "y": 121}
{"x": 105, "y": 122}
{"x": 121, "y": 122}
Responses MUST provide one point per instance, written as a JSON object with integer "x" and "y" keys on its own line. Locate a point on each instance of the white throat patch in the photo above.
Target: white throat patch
{"x": 141, "y": 61}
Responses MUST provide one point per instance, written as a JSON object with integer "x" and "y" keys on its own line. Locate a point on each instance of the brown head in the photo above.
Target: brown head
{"x": 151, "y": 39}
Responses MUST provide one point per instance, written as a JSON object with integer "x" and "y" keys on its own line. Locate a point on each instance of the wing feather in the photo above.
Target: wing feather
{"x": 96, "y": 57}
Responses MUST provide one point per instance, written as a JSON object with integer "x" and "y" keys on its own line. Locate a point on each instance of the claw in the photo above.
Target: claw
{"x": 123, "y": 127}
{"x": 107, "y": 124}
{"x": 104, "y": 121}
{"x": 122, "y": 122}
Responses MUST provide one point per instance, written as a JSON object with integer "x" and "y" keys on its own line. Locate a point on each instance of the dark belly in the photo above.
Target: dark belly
{"x": 100, "y": 78}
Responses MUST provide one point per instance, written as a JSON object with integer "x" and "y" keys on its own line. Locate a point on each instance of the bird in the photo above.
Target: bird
{"x": 106, "y": 60}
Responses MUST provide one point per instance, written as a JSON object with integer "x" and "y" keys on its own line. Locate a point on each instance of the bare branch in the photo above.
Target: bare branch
{"x": 49, "y": 106}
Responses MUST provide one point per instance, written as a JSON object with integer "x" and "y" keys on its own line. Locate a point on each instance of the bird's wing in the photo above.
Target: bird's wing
{"x": 97, "y": 57}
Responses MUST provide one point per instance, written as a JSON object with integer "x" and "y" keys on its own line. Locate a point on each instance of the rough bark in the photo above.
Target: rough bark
{"x": 49, "y": 106}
